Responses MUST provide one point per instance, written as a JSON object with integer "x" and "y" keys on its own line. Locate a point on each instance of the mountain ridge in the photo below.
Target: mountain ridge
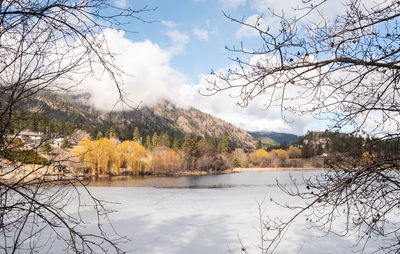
{"x": 164, "y": 116}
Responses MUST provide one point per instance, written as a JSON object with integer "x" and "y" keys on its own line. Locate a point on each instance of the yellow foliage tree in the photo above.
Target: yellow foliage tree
{"x": 172, "y": 159}
{"x": 103, "y": 156}
{"x": 294, "y": 152}
{"x": 132, "y": 154}
{"x": 165, "y": 159}
{"x": 259, "y": 157}
{"x": 368, "y": 158}
{"x": 85, "y": 151}
{"x": 280, "y": 153}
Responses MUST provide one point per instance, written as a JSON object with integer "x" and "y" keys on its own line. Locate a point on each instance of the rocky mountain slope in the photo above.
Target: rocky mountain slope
{"x": 162, "y": 117}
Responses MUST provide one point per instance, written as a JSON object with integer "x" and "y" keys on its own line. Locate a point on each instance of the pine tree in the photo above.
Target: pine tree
{"x": 46, "y": 147}
{"x": 155, "y": 140}
{"x": 190, "y": 146}
{"x": 225, "y": 143}
{"x": 175, "y": 143}
{"x": 203, "y": 140}
{"x": 164, "y": 140}
{"x": 147, "y": 143}
{"x": 66, "y": 144}
{"x": 136, "y": 135}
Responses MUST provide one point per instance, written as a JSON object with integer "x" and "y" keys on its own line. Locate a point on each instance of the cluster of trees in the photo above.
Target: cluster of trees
{"x": 24, "y": 156}
{"x": 316, "y": 143}
{"x": 274, "y": 158}
{"x": 158, "y": 155}
{"x": 40, "y": 122}
{"x": 104, "y": 155}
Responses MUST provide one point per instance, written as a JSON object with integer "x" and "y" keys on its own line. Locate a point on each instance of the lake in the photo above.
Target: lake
{"x": 207, "y": 214}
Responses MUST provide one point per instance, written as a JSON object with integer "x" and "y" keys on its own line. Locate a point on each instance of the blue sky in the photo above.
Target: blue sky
{"x": 172, "y": 56}
{"x": 207, "y": 30}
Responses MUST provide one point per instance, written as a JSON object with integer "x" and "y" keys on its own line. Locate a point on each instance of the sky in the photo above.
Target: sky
{"x": 171, "y": 57}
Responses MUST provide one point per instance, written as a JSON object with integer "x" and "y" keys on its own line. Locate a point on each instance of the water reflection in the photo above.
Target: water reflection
{"x": 254, "y": 178}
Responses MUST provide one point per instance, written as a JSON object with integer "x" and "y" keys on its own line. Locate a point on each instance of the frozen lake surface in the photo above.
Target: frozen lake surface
{"x": 207, "y": 214}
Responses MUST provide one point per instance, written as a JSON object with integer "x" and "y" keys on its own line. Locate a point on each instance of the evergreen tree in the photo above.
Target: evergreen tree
{"x": 35, "y": 124}
{"x": 66, "y": 144}
{"x": 190, "y": 146}
{"x": 175, "y": 143}
{"x": 225, "y": 143}
{"x": 147, "y": 143}
{"x": 46, "y": 147}
{"x": 164, "y": 140}
{"x": 136, "y": 135}
{"x": 154, "y": 140}
{"x": 319, "y": 150}
{"x": 203, "y": 140}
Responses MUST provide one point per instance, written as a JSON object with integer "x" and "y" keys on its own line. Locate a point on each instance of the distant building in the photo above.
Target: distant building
{"x": 30, "y": 138}
{"x": 57, "y": 142}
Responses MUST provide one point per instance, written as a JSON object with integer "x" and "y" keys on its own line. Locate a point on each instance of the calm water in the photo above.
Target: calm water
{"x": 245, "y": 179}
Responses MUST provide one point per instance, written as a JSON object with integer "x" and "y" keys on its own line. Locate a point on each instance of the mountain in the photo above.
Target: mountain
{"x": 62, "y": 114}
{"x": 274, "y": 138}
{"x": 192, "y": 120}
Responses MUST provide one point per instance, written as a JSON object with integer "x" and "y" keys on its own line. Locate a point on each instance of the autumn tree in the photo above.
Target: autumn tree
{"x": 260, "y": 157}
{"x": 279, "y": 157}
{"x": 294, "y": 152}
{"x": 165, "y": 160}
{"x": 344, "y": 69}
{"x": 241, "y": 158}
{"x": 99, "y": 154}
{"x": 133, "y": 155}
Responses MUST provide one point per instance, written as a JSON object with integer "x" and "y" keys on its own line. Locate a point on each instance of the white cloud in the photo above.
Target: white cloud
{"x": 202, "y": 34}
{"x": 178, "y": 39}
{"x": 152, "y": 78}
{"x": 169, "y": 24}
{"x": 251, "y": 118}
{"x": 150, "y": 75}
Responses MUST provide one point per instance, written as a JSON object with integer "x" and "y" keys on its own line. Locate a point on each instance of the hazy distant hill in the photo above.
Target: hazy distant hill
{"x": 274, "y": 138}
